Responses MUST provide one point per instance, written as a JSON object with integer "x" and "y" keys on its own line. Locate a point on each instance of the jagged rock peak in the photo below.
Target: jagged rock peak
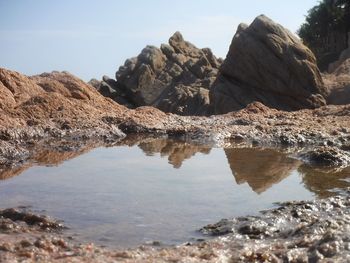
{"x": 174, "y": 78}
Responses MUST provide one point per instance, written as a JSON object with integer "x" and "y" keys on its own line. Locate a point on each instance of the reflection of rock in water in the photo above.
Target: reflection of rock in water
{"x": 7, "y": 172}
{"x": 176, "y": 150}
{"x": 321, "y": 181}
{"x": 49, "y": 156}
{"x": 260, "y": 168}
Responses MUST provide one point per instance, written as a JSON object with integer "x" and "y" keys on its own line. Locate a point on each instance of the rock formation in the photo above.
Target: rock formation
{"x": 173, "y": 78}
{"x": 267, "y": 63}
{"x": 56, "y": 99}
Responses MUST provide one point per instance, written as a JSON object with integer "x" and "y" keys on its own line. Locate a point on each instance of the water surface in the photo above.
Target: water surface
{"x": 161, "y": 190}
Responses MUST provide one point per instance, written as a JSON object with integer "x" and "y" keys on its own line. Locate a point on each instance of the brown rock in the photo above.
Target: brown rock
{"x": 260, "y": 168}
{"x": 267, "y": 63}
{"x": 15, "y": 89}
{"x": 50, "y": 99}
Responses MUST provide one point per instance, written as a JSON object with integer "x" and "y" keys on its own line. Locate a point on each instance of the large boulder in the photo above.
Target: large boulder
{"x": 174, "y": 78}
{"x": 267, "y": 63}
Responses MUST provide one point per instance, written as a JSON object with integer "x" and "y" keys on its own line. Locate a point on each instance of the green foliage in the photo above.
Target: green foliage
{"x": 327, "y": 17}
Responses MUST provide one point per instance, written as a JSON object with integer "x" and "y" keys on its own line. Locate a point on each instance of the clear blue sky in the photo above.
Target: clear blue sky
{"x": 93, "y": 38}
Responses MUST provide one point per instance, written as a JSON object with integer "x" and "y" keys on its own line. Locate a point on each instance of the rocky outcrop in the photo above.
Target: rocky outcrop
{"x": 173, "y": 78}
{"x": 56, "y": 99}
{"x": 267, "y": 63}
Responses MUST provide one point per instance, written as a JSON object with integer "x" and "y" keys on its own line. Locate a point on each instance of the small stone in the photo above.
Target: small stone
{"x": 5, "y": 247}
{"x": 25, "y": 243}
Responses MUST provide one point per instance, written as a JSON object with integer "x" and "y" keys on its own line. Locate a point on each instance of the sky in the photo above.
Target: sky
{"x": 93, "y": 38}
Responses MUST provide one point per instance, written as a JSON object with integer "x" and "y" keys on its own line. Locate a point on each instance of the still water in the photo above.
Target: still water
{"x": 161, "y": 190}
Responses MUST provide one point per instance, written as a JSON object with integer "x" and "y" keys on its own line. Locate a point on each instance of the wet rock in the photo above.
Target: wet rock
{"x": 267, "y": 63}
{"x": 254, "y": 229}
{"x": 222, "y": 227}
{"x": 30, "y": 219}
{"x": 319, "y": 231}
{"x": 327, "y": 156}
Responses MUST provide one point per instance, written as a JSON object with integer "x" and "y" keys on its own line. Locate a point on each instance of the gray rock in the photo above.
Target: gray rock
{"x": 184, "y": 100}
{"x": 95, "y": 83}
{"x": 174, "y": 78}
{"x": 267, "y": 63}
{"x": 110, "y": 88}
{"x": 106, "y": 90}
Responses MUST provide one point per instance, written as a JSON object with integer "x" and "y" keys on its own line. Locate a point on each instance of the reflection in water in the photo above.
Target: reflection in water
{"x": 120, "y": 194}
{"x": 176, "y": 151}
{"x": 8, "y": 172}
{"x": 321, "y": 181}
{"x": 260, "y": 168}
{"x": 44, "y": 156}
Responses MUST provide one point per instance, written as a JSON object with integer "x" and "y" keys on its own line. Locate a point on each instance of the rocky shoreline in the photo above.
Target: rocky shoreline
{"x": 325, "y": 129}
{"x": 320, "y": 137}
{"x": 304, "y": 231}
{"x": 56, "y": 116}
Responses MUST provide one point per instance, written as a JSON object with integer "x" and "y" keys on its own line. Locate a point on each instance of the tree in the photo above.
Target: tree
{"x": 326, "y": 21}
